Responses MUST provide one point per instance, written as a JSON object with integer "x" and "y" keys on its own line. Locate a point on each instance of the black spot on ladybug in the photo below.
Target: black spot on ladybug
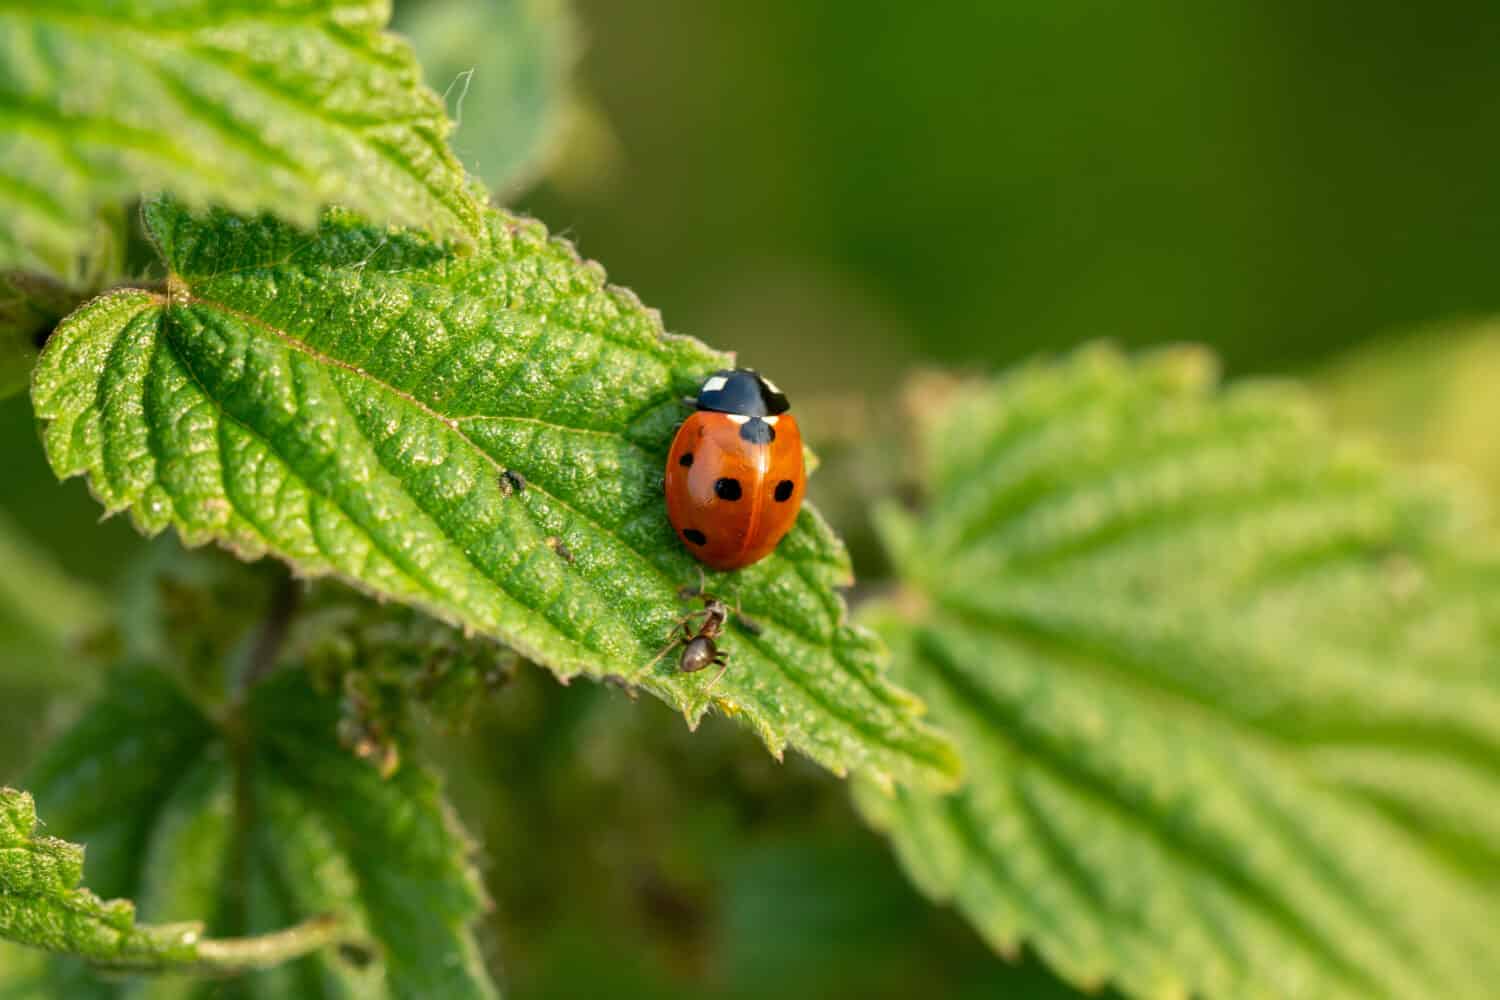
{"x": 783, "y": 491}
{"x": 512, "y": 481}
{"x": 727, "y": 489}
{"x": 757, "y": 431}
{"x": 695, "y": 536}
{"x": 686, "y": 461}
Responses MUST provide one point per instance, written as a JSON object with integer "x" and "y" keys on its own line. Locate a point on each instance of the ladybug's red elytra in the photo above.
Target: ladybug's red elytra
{"x": 735, "y": 477}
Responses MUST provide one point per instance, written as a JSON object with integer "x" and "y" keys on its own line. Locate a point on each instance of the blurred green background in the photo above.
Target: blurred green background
{"x": 842, "y": 188}
{"x": 845, "y": 191}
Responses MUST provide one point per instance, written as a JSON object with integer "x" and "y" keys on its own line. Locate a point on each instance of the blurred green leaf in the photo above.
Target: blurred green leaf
{"x": 1429, "y": 394}
{"x": 49, "y": 624}
{"x": 1221, "y": 687}
{"x": 505, "y": 69}
{"x": 281, "y": 106}
{"x": 253, "y": 827}
{"x": 43, "y": 612}
{"x": 824, "y": 917}
{"x": 357, "y": 404}
{"x": 30, "y": 306}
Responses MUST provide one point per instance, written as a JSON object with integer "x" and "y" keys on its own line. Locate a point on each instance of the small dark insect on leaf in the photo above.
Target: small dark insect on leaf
{"x": 511, "y": 482}
{"x": 358, "y": 954}
{"x": 747, "y": 624}
{"x": 700, "y": 648}
{"x": 560, "y": 547}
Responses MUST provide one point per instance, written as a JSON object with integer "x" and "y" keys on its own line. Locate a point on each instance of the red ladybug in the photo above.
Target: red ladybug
{"x": 734, "y": 475}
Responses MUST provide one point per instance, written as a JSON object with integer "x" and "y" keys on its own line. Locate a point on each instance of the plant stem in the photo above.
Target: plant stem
{"x": 232, "y": 956}
{"x": 273, "y": 632}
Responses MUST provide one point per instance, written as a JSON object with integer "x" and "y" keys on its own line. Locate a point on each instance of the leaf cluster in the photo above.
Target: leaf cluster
{"x": 1186, "y": 693}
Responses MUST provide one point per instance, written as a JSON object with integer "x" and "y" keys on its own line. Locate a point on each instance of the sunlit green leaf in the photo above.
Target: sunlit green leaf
{"x": 352, "y": 403}
{"x": 41, "y": 904}
{"x": 255, "y": 827}
{"x": 281, "y": 106}
{"x": 1429, "y": 395}
{"x": 1222, "y": 686}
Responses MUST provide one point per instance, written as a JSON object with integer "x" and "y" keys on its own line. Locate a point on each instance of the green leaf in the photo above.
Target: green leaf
{"x": 43, "y": 611}
{"x": 41, "y": 904}
{"x": 505, "y": 70}
{"x": 1428, "y": 394}
{"x": 1223, "y": 685}
{"x": 281, "y": 106}
{"x": 351, "y": 402}
{"x": 255, "y": 827}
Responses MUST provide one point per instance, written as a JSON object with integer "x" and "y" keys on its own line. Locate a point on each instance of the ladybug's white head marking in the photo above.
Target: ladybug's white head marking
{"x": 771, "y": 420}
{"x": 714, "y": 384}
{"x": 738, "y": 418}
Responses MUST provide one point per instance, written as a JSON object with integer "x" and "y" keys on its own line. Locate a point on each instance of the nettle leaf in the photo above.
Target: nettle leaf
{"x": 254, "y": 827}
{"x": 352, "y": 402}
{"x": 1428, "y": 394}
{"x": 282, "y": 106}
{"x": 1223, "y": 686}
{"x": 42, "y": 905}
{"x": 505, "y": 70}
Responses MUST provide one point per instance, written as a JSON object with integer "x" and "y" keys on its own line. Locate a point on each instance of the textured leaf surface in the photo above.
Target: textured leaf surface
{"x": 42, "y": 905}
{"x": 1225, "y": 692}
{"x": 504, "y": 68}
{"x": 280, "y": 106}
{"x": 256, "y": 836}
{"x": 352, "y": 402}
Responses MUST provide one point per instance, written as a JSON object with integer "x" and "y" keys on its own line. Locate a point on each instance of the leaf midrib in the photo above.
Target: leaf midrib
{"x": 798, "y": 679}
{"x": 415, "y": 573}
{"x": 453, "y": 199}
{"x": 968, "y": 692}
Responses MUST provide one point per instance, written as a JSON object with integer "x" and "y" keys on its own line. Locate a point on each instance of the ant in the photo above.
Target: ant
{"x": 700, "y": 647}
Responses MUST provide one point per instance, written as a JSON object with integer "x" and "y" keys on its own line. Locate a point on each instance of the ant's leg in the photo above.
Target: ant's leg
{"x": 746, "y": 622}
{"x": 723, "y": 661}
{"x": 664, "y": 651}
{"x": 689, "y": 592}
{"x": 675, "y": 640}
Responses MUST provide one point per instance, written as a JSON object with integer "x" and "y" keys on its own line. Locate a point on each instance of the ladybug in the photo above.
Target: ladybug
{"x": 735, "y": 478}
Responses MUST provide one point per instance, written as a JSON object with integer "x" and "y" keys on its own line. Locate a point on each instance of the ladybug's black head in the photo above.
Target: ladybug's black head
{"x": 741, "y": 391}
